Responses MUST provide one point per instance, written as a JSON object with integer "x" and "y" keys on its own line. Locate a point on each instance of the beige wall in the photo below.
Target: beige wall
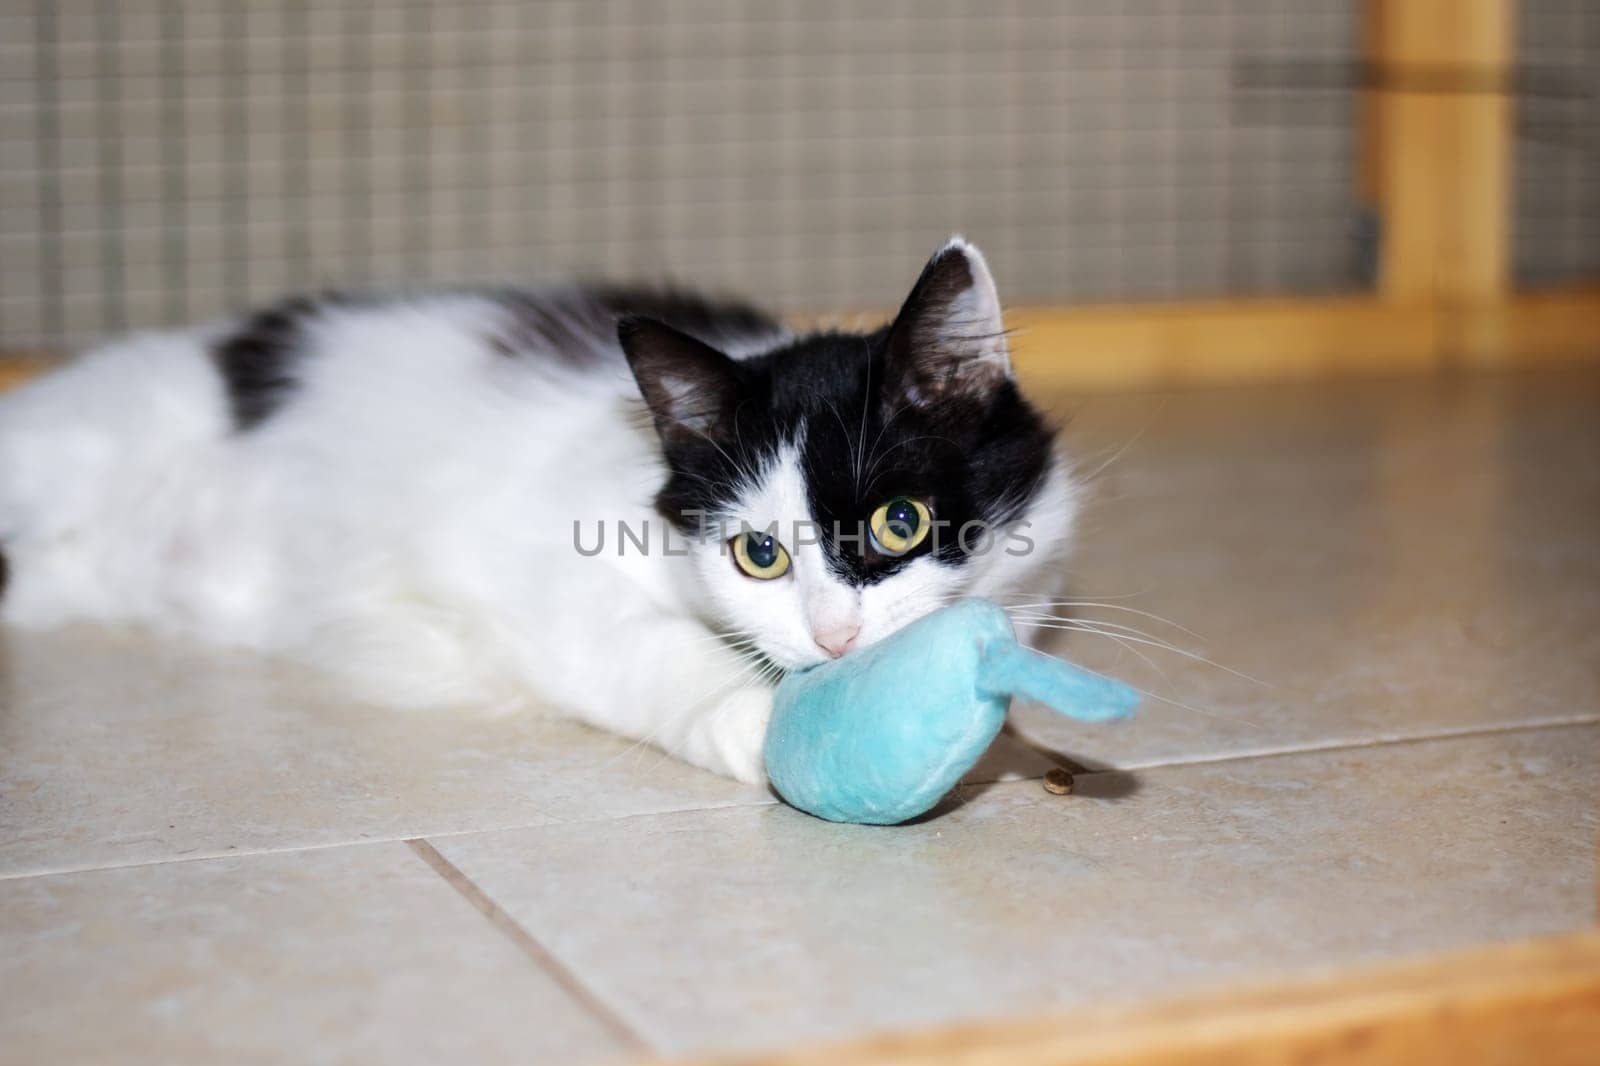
{"x": 162, "y": 160}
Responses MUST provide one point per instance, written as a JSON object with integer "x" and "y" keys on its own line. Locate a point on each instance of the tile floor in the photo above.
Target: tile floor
{"x": 203, "y": 858}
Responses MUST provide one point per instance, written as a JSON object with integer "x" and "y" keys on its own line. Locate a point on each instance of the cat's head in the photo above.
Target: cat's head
{"x": 840, "y": 485}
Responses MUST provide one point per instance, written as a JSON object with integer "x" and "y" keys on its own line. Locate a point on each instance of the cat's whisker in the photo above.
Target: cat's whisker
{"x": 731, "y": 632}
{"x": 747, "y": 681}
{"x": 725, "y": 689}
{"x": 1087, "y": 626}
{"x": 732, "y": 638}
{"x": 1072, "y": 574}
{"x": 873, "y": 451}
{"x": 763, "y": 668}
{"x": 743, "y": 646}
{"x": 751, "y": 662}
{"x": 1094, "y": 625}
{"x": 699, "y": 477}
{"x": 732, "y": 462}
{"x": 844, "y": 431}
{"x": 1208, "y": 712}
{"x": 1047, "y": 616}
{"x": 1132, "y": 631}
{"x": 1087, "y": 604}
{"x": 859, "y": 455}
{"x": 1118, "y": 454}
{"x": 1151, "y": 663}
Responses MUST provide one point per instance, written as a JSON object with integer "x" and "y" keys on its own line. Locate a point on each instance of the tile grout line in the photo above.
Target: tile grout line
{"x": 371, "y": 841}
{"x": 552, "y": 967}
{"x": 1463, "y": 733}
{"x": 1206, "y": 760}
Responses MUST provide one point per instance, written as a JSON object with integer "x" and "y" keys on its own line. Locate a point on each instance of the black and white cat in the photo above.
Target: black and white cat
{"x": 409, "y": 493}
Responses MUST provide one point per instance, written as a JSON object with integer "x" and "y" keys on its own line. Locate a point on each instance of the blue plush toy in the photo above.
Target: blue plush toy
{"x": 881, "y": 735}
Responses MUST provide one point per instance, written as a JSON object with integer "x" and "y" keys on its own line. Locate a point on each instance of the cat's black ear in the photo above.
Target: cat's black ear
{"x": 690, "y": 387}
{"x": 948, "y": 341}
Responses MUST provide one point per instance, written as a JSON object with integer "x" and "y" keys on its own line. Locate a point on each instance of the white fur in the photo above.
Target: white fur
{"x": 406, "y": 524}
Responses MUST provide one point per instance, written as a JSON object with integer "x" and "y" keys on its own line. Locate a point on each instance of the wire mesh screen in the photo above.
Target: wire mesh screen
{"x": 1558, "y": 141}
{"x": 165, "y": 161}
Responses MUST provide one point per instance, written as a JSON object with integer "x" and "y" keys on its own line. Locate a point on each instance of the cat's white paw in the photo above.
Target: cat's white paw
{"x": 737, "y": 732}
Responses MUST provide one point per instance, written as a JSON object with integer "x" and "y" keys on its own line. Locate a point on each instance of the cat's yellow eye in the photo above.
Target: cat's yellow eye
{"x": 760, "y": 555}
{"x": 900, "y": 525}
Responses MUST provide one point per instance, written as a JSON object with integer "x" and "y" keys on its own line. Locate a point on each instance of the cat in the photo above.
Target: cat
{"x": 639, "y": 507}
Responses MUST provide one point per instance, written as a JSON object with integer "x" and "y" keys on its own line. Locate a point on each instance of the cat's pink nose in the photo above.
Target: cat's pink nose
{"x": 838, "y": 640}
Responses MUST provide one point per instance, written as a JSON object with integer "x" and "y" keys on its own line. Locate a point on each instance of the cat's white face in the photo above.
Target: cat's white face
{"x": 811, "y": 612}
{"x": 821, "y": 440}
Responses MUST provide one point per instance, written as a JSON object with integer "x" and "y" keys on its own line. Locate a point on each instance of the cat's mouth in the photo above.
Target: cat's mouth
{"x": 786, "y": 660}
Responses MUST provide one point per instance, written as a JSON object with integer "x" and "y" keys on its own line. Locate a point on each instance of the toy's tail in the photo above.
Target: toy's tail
{"x": 1009, "y": 669}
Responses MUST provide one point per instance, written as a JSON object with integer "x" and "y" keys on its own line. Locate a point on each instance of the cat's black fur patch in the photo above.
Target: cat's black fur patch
{"x": 5, "y": 573}
{"x": 716, "y": 321}
{"x": 975, "y": 459}
{"x": 258, "y": 360}
{"x": 976, "y": 455}
{"x": 577, "y": 322}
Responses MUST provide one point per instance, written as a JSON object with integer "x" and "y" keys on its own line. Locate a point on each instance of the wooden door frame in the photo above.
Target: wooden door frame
{"x": 1435, "y": 136}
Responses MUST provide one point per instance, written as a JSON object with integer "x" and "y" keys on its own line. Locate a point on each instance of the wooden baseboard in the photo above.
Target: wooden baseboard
{"x": 1534, "y": 328}
{"x": 1226, "y": 342}
{"x": 1536, "y": 1002}
{"x": 15, "y": 369}
{"x": 1130, "y": 346}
